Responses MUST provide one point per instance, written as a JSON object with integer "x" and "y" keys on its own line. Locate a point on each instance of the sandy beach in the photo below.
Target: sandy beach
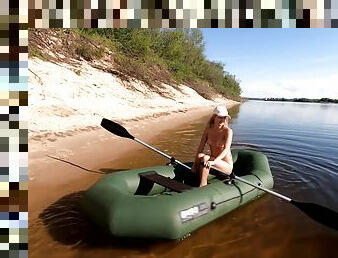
{"x": 65, "y": 114}
{"x": 67, "y": 146}
{"x": 89, "y": 150}
{"x": 163, "y": 93}
{"x": 80, "y": 158}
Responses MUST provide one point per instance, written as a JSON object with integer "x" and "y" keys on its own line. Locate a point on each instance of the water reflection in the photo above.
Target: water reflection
{"x": 287, "y": 113}
{"x": 300, "y": 140}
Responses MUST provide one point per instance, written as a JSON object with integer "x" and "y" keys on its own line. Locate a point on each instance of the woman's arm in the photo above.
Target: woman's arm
{"x": 202, "y": 142}
{"x": 200, "y": 148}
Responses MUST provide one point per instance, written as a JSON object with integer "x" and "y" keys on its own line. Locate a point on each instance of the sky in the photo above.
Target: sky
{"x": 289, "y": 63}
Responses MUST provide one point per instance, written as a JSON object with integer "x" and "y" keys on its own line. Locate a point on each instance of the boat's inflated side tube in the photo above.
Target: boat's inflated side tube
{"x": 112, "y": 204}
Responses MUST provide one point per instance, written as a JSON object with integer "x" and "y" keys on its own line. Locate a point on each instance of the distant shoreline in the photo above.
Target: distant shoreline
{"x": 305, "y": 100}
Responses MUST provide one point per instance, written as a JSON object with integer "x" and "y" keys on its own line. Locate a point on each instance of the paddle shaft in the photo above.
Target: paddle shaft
{"x": 317, "y": 212}
{"x": 236, "y": 177}
{"x": 162, "y": 153}
{"x": 283, "y": 197}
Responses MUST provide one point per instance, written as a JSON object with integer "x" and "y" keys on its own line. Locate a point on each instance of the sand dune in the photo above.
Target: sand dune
{"x": 65, "y": 100}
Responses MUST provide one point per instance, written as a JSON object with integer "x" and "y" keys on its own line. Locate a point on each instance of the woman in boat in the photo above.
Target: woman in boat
{"x": 218, "y": 135}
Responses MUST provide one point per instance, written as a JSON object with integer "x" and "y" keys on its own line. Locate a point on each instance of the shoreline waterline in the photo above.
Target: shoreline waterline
{"x": 71, "y": 164}
{"x": 60, "y": 225}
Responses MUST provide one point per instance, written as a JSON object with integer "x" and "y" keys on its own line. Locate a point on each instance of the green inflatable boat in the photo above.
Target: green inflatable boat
{"x": 164, "y": 202}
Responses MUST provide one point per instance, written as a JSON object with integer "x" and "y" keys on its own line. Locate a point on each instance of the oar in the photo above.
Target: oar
{"x": 119, "y": 130}
{"x": 317, "y": 212}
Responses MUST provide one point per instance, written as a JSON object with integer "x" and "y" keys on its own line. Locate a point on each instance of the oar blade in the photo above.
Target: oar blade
{"x": 319, "y": 213}
{"x": 116, "y": 129}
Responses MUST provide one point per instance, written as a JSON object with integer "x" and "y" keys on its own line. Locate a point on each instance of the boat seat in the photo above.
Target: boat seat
{"x": 147, "y": 180}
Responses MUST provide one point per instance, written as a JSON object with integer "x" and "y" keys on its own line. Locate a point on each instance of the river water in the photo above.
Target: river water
{"x": 301, "y": 143}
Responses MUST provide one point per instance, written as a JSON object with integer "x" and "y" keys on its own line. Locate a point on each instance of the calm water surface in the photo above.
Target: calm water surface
{"x": 301, "y": 142}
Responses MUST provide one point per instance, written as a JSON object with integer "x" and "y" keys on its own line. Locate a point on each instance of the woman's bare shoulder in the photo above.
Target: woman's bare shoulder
{"x": 206, "y": 131}
{"x": 227, "y": 130}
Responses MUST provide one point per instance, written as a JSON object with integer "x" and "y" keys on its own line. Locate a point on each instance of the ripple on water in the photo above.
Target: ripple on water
{"x": 303, "y": 158}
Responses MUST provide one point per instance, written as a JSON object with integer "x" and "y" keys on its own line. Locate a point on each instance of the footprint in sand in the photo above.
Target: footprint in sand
{"x": 36, "y": 138}
{"x": 69, "y": 133}
{"x": 63, "y": 153}
{"x": 60, "y": 134}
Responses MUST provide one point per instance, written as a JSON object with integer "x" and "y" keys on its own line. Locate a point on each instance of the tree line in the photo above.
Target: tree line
{"x": 180, "y": 51}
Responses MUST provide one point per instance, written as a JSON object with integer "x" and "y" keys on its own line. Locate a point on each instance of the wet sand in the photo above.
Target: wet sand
{"x": 58, "y": 173}
{"x": 58, "y": 227}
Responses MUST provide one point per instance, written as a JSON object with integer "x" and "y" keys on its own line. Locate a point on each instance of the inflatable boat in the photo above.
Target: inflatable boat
{"x": 165, "y": 202}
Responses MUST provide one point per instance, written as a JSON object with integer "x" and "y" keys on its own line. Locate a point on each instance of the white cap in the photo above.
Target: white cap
{"x": 221, "y": 111}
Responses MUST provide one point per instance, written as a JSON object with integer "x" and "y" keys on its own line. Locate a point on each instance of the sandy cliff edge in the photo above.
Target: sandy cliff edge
{"x": 65, "y": 100}
{"x": 65, "y": 113}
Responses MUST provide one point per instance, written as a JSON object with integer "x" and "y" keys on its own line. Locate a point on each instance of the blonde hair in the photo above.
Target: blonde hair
{"x": 212, "y": 120}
